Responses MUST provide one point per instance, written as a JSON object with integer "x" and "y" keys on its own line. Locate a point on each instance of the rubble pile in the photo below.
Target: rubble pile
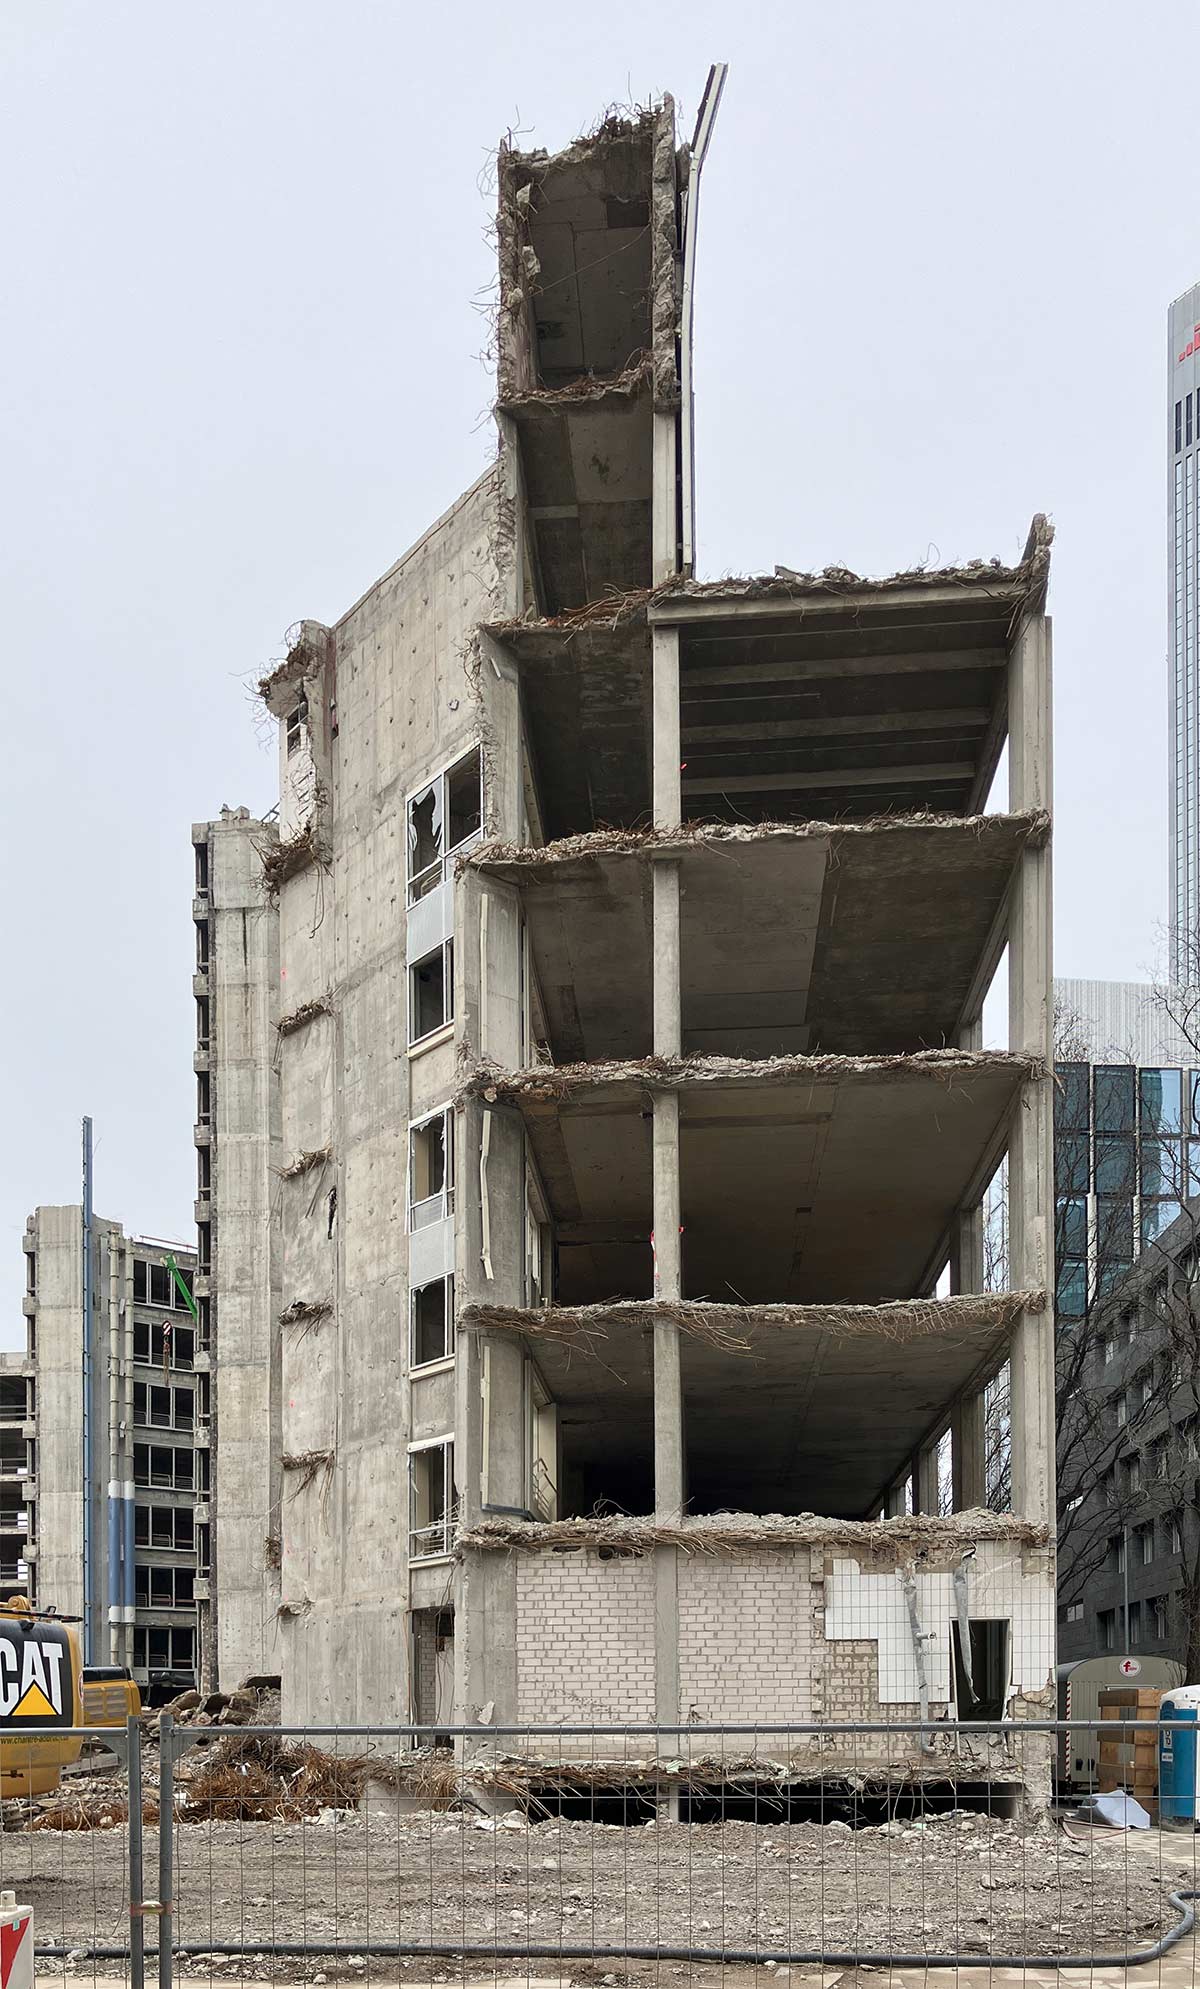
{"x": 255, "y": 1703}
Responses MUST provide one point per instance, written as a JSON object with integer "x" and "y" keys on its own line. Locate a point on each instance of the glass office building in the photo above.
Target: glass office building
{"x": 1126, "y": 1154}
{"x": 1183, "y": 493}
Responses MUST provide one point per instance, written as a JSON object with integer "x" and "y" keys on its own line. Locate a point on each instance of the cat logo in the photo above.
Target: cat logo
{"x": 35, "y": 1674}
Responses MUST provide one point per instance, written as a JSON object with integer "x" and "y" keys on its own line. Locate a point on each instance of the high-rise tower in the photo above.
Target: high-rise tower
{"x": 1183, "y": 445}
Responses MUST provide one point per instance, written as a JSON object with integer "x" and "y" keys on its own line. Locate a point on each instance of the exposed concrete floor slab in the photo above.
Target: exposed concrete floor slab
{"x": 840, "y": 941}
{"x": 790, "y": 1188}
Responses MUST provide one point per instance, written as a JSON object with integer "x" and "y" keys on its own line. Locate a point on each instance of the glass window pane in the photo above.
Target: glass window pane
{"x": 1157, "y": 1217}
{"x": 1071, "y": 1163}
{"x": 1072, "y": 1291}
{"x": 1073, "y": 1227}
{"x": 1114, "y": 1166}
{"x": 1114, "y": 1233}
{"x": 1071, "y": 1103}
{"x": 1161, "y": 1100}
{"x": 1114, "y": 1098}
{"x": 1162, "y": 1167}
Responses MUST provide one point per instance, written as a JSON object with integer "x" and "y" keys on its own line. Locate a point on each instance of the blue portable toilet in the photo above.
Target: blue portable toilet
{"x": 1178, "y": 1794}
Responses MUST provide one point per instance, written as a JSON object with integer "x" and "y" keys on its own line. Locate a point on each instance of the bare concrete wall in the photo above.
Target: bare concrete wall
{"x": 245, "y": 1278}
{"x": 59, "y": 1331}
{"x": 403, "y": 687}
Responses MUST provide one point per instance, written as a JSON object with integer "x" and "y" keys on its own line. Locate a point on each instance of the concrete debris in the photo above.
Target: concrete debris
{"x": 586, "y": 388}
{"x": 302, "y": 1309}
{"x": 734, "y": 1328}
{"x": 1026, "y": 582}
{"x": 902, "y": 1538}
{"x": 307, "y": 1012}
{"x": 559, "y": 1081}
{"x": 305, "y": 1162}
{"x": 1030, "y": 829}
{"x": 281, "y": 860}
{"x": 252, "y": 1704}
{"x": 307, "y": 1464}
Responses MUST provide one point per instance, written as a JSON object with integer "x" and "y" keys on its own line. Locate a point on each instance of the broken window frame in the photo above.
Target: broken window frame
{"x": 417, "y": 1034}
{"x": 425, "y": 1209}
{"x": 541, "y": 1425}
{"x": 431, "y": 1491}
{"x": 295, "y": 729}
{"x": 434, "y": 869}
{"x": 420, "y": 1363}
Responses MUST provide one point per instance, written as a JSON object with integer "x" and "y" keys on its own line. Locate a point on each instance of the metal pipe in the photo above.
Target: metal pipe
{"x": 129, "y": 1553}
{"x": 114, "y": 1584}
{"x": 691, "y": 216}
{"x": 88, "y": 1599}
{"x": 777, "y": 1957}
{"x": 166, "y": 1844}
{"x": 137, "y": 1923}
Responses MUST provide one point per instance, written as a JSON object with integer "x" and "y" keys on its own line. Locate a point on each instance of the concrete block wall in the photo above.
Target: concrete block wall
{"x": 585, "y": 1639}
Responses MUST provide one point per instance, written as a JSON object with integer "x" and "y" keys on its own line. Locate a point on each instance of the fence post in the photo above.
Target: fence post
{"x": 166, "y": 1847}
{"x": 137, "y": 1890}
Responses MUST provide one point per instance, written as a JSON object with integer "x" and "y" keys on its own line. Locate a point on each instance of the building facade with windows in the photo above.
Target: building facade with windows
{"x": 1183, "y": 626}
{"x": 103, "y": 1453}
{"x": 1126, "y": 1158}
{"x": 1130, "y": 1535}
{"x": 612, "y": 1157}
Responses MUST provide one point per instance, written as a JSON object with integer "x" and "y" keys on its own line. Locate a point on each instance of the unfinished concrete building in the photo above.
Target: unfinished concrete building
{"x": 237, "y": 1134}
{"x": 103, "y": 1443}
{"x": 634, "y": 938}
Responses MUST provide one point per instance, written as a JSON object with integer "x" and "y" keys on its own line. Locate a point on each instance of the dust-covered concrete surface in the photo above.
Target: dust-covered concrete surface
{"x": 958, "y": 1884}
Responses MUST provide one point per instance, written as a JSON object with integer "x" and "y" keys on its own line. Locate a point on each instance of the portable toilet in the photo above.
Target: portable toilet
{"x": 1177, "y": 1789}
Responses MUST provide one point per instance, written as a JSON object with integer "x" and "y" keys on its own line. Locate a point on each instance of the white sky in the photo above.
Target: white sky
{"x": 240, "y": 375}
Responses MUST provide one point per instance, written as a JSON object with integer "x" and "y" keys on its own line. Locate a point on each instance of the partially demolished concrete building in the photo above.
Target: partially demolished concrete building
{"x": 634, "y": 937}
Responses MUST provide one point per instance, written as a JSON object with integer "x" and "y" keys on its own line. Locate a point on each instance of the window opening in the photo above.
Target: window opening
{"x": 442, "y": 819}
{"x": 431, "y": 1314}
{"x": 431, "y": 1495}
{"x": 431, "y": 993}
{"x": 431, "y": 1171}
{"x": 297, "y": 726}
{"x": 985, "y": 1696}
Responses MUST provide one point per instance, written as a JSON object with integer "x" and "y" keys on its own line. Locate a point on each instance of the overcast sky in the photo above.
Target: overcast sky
{"x": 241, "y": 374}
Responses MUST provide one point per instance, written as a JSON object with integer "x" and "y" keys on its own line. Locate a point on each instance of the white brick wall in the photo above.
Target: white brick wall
{"x": 745, "y": 1637}
{"x": 585, "y": 1638}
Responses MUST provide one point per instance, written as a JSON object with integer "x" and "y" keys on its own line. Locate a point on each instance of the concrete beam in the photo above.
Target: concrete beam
{"x": 954, "y": 719}
{"x": 909, "y": 664}
{"x": 1030, "y": 1008}
{"x": 762, "y": 783}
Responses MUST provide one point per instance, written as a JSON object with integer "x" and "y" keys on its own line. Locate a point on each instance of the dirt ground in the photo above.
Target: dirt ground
{"x": 964, "y": 1884}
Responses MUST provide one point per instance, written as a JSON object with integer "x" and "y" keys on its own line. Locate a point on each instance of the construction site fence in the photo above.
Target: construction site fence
{"x": 602, "y": 1852}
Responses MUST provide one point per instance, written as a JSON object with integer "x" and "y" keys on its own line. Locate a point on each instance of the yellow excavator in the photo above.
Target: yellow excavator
{"x": 45, "y": 1691}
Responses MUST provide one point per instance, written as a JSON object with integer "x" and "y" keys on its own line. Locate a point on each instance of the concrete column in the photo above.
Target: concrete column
{"x": 668, "y": 1283}
{"x": 925, "y": 1479}
{"x": 667, "y": 787}
{"x": 1030, "y": 1008}
{"x": 894, "y": 1505}
{"x": 668, "y": 1026}
{"x": 669, "y": 1488}
{"x": 967, "y": 1451}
